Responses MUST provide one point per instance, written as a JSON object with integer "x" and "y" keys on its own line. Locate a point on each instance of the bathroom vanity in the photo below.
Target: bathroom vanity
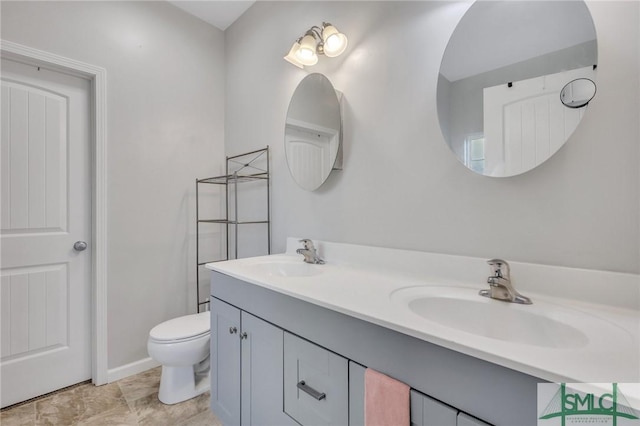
{"x": 290, "y": 341}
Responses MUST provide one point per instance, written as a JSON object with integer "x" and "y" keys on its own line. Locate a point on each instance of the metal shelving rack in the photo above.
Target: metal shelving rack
{"x": 238, "y": 169}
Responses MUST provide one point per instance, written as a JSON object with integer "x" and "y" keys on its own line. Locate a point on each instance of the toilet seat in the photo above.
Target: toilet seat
{"x": 181, "y": 329}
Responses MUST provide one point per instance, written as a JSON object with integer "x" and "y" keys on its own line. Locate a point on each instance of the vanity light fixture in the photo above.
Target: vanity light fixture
{"x": 316, "y": 41}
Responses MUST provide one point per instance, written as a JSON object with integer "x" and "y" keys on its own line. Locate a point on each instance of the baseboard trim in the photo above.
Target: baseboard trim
{"x": 127, "y": 370}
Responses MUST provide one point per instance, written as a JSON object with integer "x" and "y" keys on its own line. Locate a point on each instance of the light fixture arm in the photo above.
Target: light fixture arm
{"x": 316, "y": 32}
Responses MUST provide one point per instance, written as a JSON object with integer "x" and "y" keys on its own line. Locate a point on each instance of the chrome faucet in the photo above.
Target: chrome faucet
{"x": 309, "y": 252}
{"x": 500, "y": 284}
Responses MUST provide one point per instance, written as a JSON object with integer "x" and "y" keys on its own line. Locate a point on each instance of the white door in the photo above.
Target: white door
{"x": 45, "y": 203}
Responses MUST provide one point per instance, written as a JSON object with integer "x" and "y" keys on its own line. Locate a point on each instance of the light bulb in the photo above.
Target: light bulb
{"x": 334, "y": 41}
{"x": 306, "y": 54}
{"x": 291, "y": 56}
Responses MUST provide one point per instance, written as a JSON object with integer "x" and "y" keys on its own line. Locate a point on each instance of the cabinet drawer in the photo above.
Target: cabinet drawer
{"x": 316, "y": 383}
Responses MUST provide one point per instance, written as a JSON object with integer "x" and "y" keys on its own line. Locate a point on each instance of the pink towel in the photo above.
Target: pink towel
{"x": 386, "y": 400}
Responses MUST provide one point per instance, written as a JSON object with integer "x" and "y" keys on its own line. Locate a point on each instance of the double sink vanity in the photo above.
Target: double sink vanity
{"x": 290, "y": 341}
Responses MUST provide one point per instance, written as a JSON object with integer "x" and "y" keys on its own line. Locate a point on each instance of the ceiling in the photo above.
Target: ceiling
{"x": 219, "y": 13}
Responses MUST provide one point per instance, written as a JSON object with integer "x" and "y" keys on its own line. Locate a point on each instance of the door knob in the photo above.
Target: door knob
{"x": 80, "y": 246}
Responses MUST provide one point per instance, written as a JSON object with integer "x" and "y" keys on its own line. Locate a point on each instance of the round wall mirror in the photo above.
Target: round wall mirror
{"x": 578, "y": 93}
{"x": 313, "y": 131}
{"x": 501, "y": 78}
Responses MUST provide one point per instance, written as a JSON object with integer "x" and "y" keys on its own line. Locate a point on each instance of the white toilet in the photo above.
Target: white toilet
{"x": 181, "y": 345}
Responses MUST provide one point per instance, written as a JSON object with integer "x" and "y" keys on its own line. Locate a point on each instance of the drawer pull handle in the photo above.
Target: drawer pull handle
{"x": 311, "y": 391}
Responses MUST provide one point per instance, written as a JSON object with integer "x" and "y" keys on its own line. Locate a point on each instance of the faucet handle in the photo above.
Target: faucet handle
{"x": 307, "y": 243}
{"x": 499, "y": 268}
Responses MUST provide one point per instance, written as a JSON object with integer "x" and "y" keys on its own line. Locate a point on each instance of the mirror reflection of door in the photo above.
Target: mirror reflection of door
{"x": 525, "y": 123}
{"x": 309, "y": 154}
{"x": 313, "y": 131}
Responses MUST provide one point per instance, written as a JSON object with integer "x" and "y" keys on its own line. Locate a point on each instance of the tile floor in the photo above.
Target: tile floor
{"x": 132, "y": 401}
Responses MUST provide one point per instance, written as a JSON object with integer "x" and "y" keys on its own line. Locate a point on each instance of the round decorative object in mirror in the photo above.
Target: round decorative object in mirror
{"x": 313, "y": 131}
{"x": 578, "y": 93}
{"x": 501, "y": 79}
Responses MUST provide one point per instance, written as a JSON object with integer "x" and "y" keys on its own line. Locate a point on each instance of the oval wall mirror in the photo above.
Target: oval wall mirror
{"x": 501, "y": 77}
{"x": 313, "y": 131}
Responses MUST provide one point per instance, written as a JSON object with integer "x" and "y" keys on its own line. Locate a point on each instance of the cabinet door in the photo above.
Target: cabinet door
{"x": 225, "y": 362}
{"x": 316, "y": 388}
{"x": 426, "y": 411}
{"x": 467, "y": 420}
{"x": 262, "y": 374}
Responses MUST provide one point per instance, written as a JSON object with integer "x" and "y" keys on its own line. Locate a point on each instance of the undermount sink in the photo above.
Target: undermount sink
{"x": 289, "y": 269}
{"x": 542, "y": 324}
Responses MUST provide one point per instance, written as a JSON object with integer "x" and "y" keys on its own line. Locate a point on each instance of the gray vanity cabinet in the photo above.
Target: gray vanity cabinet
{"x": 247, "y": 368}
{"x": 301, "y": 337}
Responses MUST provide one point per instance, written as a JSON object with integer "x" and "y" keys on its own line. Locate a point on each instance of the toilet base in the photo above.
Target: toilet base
{"x": 179, "y": 384}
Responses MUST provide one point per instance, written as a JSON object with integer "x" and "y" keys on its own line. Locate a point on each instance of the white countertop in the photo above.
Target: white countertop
{"x": 358, "y": 281}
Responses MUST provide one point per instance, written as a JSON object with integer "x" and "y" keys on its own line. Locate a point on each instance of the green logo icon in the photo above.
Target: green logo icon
{"x": 569, "y": 403}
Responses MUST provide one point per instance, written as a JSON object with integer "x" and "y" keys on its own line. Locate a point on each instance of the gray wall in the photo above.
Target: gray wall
{"x": 165, "y": 92}
{"x": 401, "y": 186}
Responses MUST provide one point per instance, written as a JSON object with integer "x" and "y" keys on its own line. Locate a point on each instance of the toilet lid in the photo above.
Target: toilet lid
{"x": 182, "y": 327}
